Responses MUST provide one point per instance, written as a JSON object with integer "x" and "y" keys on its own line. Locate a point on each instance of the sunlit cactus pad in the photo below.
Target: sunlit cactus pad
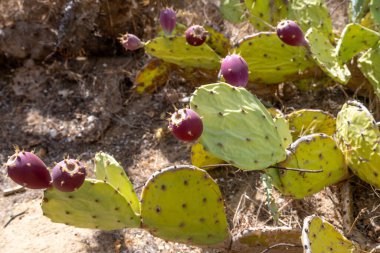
{"x": 369, "y": 64}
{"x": 358, "y": 136}
{"x": 217, "y": 41}
{"x": 324, "y": 54}
{"x": 308, "y": 121}
{"x": 184, "y": 204}
{"x": 200, "y": 157}
{"x": 270, "y": 61}
{"x": 95, "y": 204}
{"x": 264, "y": 12}
{"x": 311, "y": 152}
{"x": 354, "y": 39}
{"x": 110, "y": 171}
{"x": 237, "y": 127}
{"x": 319, "y": 236}
{"x": 374, "y": 7}
{"x": 153, "y": 75}
{"x": 176, "y": 50}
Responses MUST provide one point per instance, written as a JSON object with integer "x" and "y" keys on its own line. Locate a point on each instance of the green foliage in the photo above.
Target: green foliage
{"x": 308, "y": 121}
{"x": 232, "y": 10}
{"x": 95, "y": 204}
{"x": 184, "y": 204}
{"x": 266, "y": 13}
{"x": 354, "y": 39}
{"x": 358, "y": 137}
{"x": 176, "y": 50}
{"x": 270, "y": 61}
{"x": 358, "y": 9}
{"x": 311, "y": 152}
{"x": 237, "y": 127}
{"x": 369, "y": 65}
{"x": 153, "y": 75}
{"x": 319, "y": 236}
{"x": 324, "y": 54}
{"x": 374, "y": 8}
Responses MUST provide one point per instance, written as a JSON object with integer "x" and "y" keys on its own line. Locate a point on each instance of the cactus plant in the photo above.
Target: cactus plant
{"x": 168, "y": 20}
{"x": 358, "y": 136}
{"x": 217, "y": 41}
{"x": 270, "y": 61}
{"x": 185, "y": 205}
{"x": 282, "y": 126}
{"x": 68, "y": 175}
{"x": 234, "y": 70}
{"x": 312, "y": 152}
{"x": 186, "y": 125}
{"x": 374, "y": 8}
{"x": 131, "y": 42}
{"x": 253, "y": 143}
{"x": 308, "y": 121}
{"x": 196, "y": 35}
{"x": 369, "y": 65}
{"x": 154, "y": 74}
{"x": 359, "y": 9}
{"x": 290, "y": 33}
{"x": 319, "y": 236}
{"x": 200, "y": 157}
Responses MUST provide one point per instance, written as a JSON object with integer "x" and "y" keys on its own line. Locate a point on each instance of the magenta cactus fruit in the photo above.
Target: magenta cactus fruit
{"x": 28, "y": 170}
{"x": 196, "y": 35}
{"x": 168, "y": 20}
{"x": 131, "y": 42}
{"x": 68, "y": 175}
{"x": 290, "y": 33}
{"x": 235, "y": 70}
{"x": 186, "y": 125}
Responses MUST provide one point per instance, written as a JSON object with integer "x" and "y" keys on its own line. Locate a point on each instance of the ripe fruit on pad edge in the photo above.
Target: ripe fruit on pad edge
{"x": 290, "y": 33}
{"x": 186, "y": 125}
{"x": 196, "y": 35}
{"x": 235, "y": 70}
{"x": 68, "y": 175}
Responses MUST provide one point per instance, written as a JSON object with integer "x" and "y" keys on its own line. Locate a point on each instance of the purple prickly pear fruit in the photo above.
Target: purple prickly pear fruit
{"x": 235, "y": 70}
{"x": 68, "y": 175}
{"x": 196, "y": 35}
{"x": 290, "y": 33}
{"x": 168, "y": 20}
{"x": 131, "y": 42}
{"x": 28, "y": 170}
{"x": 186, "y": 125}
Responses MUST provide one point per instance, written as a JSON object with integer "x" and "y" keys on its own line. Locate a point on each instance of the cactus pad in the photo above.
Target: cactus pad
{"x": 320, "y": 236}
{"x": 369, "y": 65}
{"x": 323, "y": 53}
{"x": 111, "y": 172}
{"x": 309, "y": 121}
{"x": 95, "y": 204}
{"x": 200, "y": 157}
{"x": 176, "y": 50}
{"x": 232, "y": 10}
{"x": 270, "y": 61}
{"x": 282, "y": 126}
{"x": 217, "y": 41}
{"x": 312, "y": 152}
{"x": 264, "y": 13}
{"x": 358, "y": 9}
{"x": 374, "y": 8}
{"x": 237, "y": 127}
{"x": 153, "y": 75}
{"x": 354, "y": 39}
{"x": 184, "y": 204}
{"x": 358, "y": 137}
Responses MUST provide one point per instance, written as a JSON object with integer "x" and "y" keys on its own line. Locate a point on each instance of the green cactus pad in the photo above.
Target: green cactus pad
{"x": 237, "y": 127}
{"x": 232, "y": 10}
{"x": 200, "y": 157}
{"x": 184, "y": 204}
{"x": 110, "y": 171}
{"x": 374, "y": 8}
{"x": 282, "y": 126}
{"x": 312, "y": 13}
{"x": 311, "y": 152}
{"x": 369, "y": 65}
{"x": 324, "y": 54}
{"x": 95, "y": 204}
{"x": 319, "y": 236}
{"x": 176, "y": 50}
{"x": 309, "y": 121}
{"x": 354, "y": 39}
{"x": 358, "y": 137}
{"x": 264, "y": 13}
{"x": 153, "y": 75}
{"x": 217, "y": 41}
{"x": 358, "y": 9}
{"x": 270, "y": 61}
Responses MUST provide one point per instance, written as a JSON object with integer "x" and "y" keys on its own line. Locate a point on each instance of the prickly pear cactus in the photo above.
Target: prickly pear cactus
{"x": 111, "y": 172}
{"x": 369, "y": 65}
{"x": 184, "y": 204}
{"x": 217, "y": 41}
{"x": 312, "y": 13}
{"x": 232, "y": 10}
{"x": 282, "y": 126}
{"x": 309, "y": 121}
{"x": 237, "y": 127}
{"x": 358, "y": 9}
{"x": 176, "y": 50}
{"x": 311, "y": 152}
{"x": 323, "y": 52}
{"x": 95, "y": 204}
{"x": 270, "y": 61}
{"x": 374, "y": 8}
{"x": 354, "y": 39}
{"x": 320, "y": 236}
{"x": 153, "y": 75}
{"x": 358, "y": 137}
{"x": 264, "y": 13}
{"x": 200, "y": 157}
